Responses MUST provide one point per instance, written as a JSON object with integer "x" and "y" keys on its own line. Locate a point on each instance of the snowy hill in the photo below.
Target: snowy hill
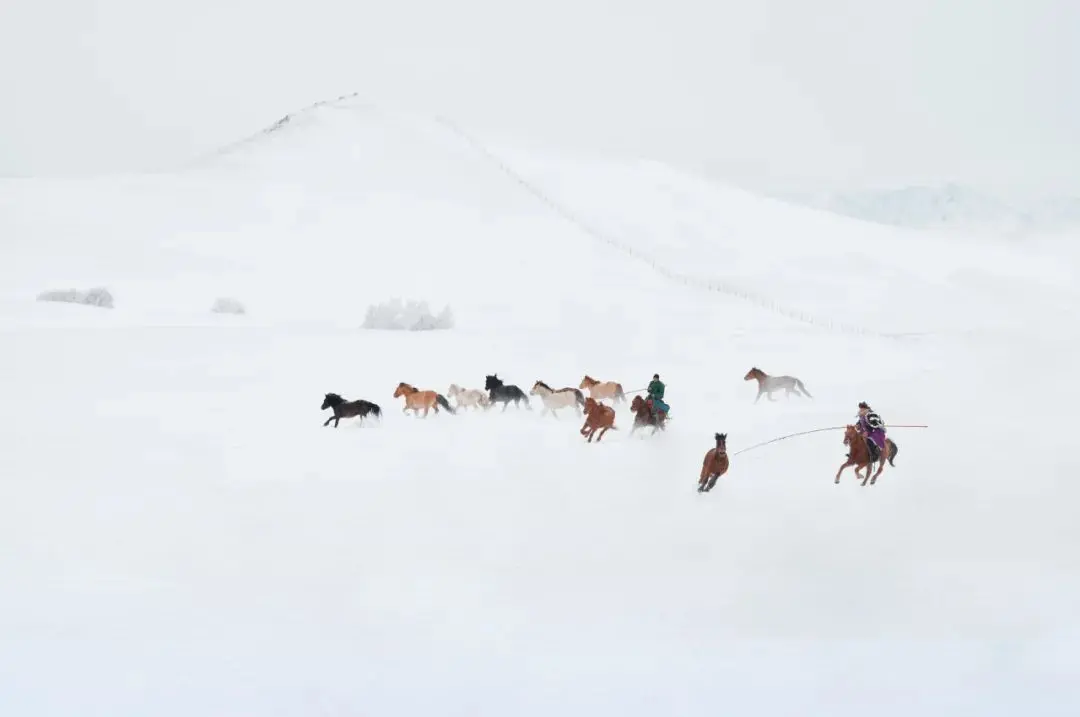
{"x": 952, "y": 208}
{"x": 179, "y": 535}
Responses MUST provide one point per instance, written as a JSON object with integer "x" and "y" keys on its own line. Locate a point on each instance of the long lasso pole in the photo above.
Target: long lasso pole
{"x": 817, "y": 430}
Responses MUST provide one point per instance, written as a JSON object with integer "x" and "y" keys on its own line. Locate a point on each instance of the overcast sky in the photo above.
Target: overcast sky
{"x": 781, "y": 93}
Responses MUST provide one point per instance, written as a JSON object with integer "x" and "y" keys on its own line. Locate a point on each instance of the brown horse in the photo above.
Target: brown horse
{"x": 715, "y": 464}
{"x": 416, "y": 399}
{"x": 859, "y": 455}
{"x": 767, "y": 384}
{"x": 597, "y": 417}
{"x": 644, "y": 416}
{"x": 603, "y": 389}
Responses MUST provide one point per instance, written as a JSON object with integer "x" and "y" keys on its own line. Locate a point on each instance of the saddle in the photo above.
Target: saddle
{"x": 654, "y": 411}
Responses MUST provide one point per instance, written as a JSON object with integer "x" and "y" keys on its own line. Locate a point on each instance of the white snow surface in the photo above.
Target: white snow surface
{"x": 180, "y": 535}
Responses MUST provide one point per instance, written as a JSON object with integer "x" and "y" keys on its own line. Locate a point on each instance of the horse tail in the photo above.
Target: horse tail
{"x": 619, "y": 395}
{"x": 444, "y": 403}
{"x": 580, "y": 397}
{"x": 893, "y": 450}
{"x": 802, "y": 387}
{"x": 376, "y": 410}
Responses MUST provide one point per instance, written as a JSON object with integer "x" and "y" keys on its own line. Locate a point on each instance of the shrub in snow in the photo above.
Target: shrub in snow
{"x": 97, "y": 296}
{"x": 407, "y": 316}
{"x": 226, "y": 305}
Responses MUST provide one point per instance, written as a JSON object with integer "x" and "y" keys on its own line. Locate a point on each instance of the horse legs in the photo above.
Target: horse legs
{"x": 842, "y": 467}
{"x": 880, "y": 467}
{"x": 760, "y": 390}
{"x": 328, "y": 421}
{"x": 602, "y": 432}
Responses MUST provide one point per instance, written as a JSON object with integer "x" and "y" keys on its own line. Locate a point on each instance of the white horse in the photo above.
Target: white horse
{"x": 466, "y": 397}
{"x": 554, "y": 400}
{"x": 767, "y": 384}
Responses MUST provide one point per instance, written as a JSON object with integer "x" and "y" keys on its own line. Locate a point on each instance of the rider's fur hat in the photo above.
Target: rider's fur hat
{"x": 864, "y": 404}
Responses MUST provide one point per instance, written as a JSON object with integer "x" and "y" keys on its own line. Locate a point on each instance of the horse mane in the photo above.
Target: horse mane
{"x": 541, "y": 383}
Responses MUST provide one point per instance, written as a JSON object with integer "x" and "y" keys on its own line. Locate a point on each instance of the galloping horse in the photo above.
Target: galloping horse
{"x": 644, "y": 416}
{"x": 597, "y": 417}
{"x": 603, "y": 389}
{"x": 859, "y": 455}
{"x": 715, "y": 464}
{"x": 499, "y": 392}
{"x": 767, "y": 384}
{"x": 416, "y": 399}
{"x": 348, "y": 409}
{"x": 468, "y": 397}
{"x": 554, "y": 400}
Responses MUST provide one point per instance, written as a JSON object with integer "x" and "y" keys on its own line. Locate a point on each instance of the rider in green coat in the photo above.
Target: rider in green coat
{"x": 656, "y": 397}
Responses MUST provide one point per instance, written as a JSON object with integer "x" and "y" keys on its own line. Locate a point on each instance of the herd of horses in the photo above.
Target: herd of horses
{"x": 599, "y": 417}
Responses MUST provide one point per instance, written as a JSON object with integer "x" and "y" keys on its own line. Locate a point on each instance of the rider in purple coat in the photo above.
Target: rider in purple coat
{"x": 871, "y": 426}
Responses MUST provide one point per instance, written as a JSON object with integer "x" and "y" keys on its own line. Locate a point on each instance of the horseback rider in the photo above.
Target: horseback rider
{"x": 656, "y": 398}
{"x": 872, "y": 427}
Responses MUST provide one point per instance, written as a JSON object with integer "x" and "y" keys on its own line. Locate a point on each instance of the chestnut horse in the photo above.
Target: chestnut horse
{"x": 715, "y": 464}
{"x": 859, "y": 455}
{"x": 603, "y": 389}
{"x": 644, "y": 416}
{"x": 767, "y": 384}
{"x": 416, "y": 399}
{"x": 597, "y": 417}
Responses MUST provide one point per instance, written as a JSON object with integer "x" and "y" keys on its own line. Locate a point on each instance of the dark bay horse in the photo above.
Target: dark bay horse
{"x": 348, "y": 409}
{"x": 645, "y": 416}
{"x": 499, "y": 392}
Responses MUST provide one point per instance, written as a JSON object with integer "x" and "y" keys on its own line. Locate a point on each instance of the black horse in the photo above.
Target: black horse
{"x": 499, "y": 392}
{"x": 348, "y": 409}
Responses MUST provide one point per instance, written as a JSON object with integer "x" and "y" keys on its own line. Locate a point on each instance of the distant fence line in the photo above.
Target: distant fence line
{"x": 703, "y": 283}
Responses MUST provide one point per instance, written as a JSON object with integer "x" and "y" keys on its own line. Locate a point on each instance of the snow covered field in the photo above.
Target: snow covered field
{"x": 179, "y": 535}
